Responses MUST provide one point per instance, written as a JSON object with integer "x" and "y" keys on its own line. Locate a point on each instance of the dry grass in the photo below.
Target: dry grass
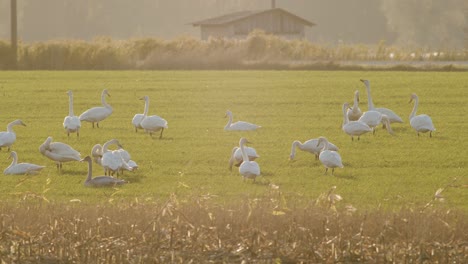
{"x": 260, "y": 230}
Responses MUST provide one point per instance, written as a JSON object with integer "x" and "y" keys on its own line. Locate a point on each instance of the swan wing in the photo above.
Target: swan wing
{"x": 153, "y": 123}
{"x": 137, "y": 120}
{"x": 394, "y": 118}
{"x": 111, "y": 160}
{"x": 371, "y": 118}
{"x": 96, "y": 114}
{"x": 64, "y": 150}
{"x": 356, "y": 128}
{"x": 242, "y": 125}
{"x": 422, "y": 123}
{"x": 331, "y": 159}
{"x": 311, "y": 146}
{"x": 71, "y": 123}
{"x": 7, "y": 138}
{"x": 249, "y": 169}
{"x": 23, "y": 168}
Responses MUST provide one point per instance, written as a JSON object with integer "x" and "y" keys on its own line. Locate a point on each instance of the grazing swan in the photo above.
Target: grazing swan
{"x": 354, "y": 113}
{"x": 239, "y": 125}
{"x": 58, "y": 152}
{"x": 98, "y": 113}
{"x": 420, "y": 123}
{"x": 99, "y": 181}
{"x": 152, "y": 123}
{"x": 9, "y": 137}
{"x": 312, "y": 146}
{"x": 71, "y": 123}
{"x": 329, "y": 158}
{"x": 394, "y": 118}
{"x": 248, "y": 169}
{"x": 21, "y": 168}
{"x": 353, "y": 128}
{"x": 111, "y": 159}
{"x": 128, "y": 164}
{"x": 236, "y": 156}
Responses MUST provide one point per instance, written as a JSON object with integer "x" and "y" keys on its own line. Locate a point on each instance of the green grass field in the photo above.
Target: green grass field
{"x": 381, "y": 171}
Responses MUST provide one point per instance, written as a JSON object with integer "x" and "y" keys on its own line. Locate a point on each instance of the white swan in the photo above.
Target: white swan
{"x": 152, "y": 123}
{"x": 372, "y": 118}
{"x": 99, "y": 181}
{"x": 354, "y": 113}
{"x": 329, "y": 158}
{"x": 236, "y": 156}
{"x": 239, "y": 125}
{"x": 7, "y": 138}
{"x": 128, "y": 163}
{"x": 248, "y": 169}
{"x": 21, "y": 168}
{"x": 353, "y": 128}
{"x": 58, "y": 152}
{"x": 96, "y": 153}
{"x": 71, "y": 123}
{"x": 137, "y": 120}
{"x": 312, "y": 146}
{"x": 420, "y": 123}
{"x": 98, "y": 113}
{"x": 394, "y": 118}
{"x": 111, "y": 160}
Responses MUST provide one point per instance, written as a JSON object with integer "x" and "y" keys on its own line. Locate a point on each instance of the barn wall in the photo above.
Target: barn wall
{"x": 225, "y": 31}
{"x": 270, "y": 22}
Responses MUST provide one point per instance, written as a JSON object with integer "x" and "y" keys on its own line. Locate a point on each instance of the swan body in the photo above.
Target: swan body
{"x": 239, "y": 125}
{"x": 236, "y": 156}
{"x": 111, "y": 160}
{"x": 372, "y": 118}
{"x": 98, "y": 113}
{"x": 58, "y": 152}
{"x": 99, "y": 181}
{"x": 329, "y": 158}
{"x": 21, "y": 168}
{"x": 136, "y": 121}
{"x": 248, "y": 169}
{"x": 421, "y": 123}
{"x": 312, "y": 146}
{"x": 354, "y": 113}
{"x": 353, "y": 128}
{"x": 71, "y": 122}
{"x": 128, "y": 164}
{"x": 394, "y": 118}
{"x": 152, "y": 123}
{"x": 7, "y": 138}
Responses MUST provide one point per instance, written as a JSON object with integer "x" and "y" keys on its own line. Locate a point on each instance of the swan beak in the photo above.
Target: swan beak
{"x": 142, "y": 98}
{"x": 361, "y": 80}
{"x": 410, "y": 100}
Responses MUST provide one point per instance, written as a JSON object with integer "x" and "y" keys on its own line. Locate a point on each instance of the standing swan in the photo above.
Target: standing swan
{"x": 354, "y": 113}
{"x": 152, "y": 123}
{"x": 98, "y": 113}
{"x": 329, "y": 158}
{"x": 111, "y": 159}
{"x": 312, "y": 146}
{"x": 236, "y": 156}
{"x": 420, "y": 123}
{"x": 239, "y": 125}
{"x": 353, "y": 128}
{"x": 58, "y": 152}
{"x": 137, "y": 120}
{"x": 99, "y": 181}
{"x": 71, "y": 123}
{"x": 394, "y": 118}
{"x": 21, "y": 168}
{"x": 9, "y": 137}
{"x": 248, "y": 169}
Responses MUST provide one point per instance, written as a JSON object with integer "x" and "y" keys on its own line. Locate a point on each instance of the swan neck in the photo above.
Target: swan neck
{"x": 15, "y": 160}
{"x": 370, "y": 103}
{"x": 90, "y": 170}
{"x": 106, "y": 146}
{"x": 229, "y": 121}
{"x": 356, "y": 103}
{"x": 103, "y": 100}
{"x": 145, "y": 113}
{"x": 325, "y": 144}
{"x": 415, "y": 108}
{"x": 70, "y": 105}
{"x": 345, "y": 116}
{"x": 10, "y": 127}
{"x": 389, "y": 128}
{"x": 245, "y": 157}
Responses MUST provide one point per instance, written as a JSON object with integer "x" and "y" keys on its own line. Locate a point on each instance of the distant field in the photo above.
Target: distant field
{"x": 381, "y": 171}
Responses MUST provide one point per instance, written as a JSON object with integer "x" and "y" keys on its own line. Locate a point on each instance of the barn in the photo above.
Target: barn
{"x": 238, "y": 25}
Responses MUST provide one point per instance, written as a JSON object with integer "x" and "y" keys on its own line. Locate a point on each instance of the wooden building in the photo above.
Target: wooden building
{"x": 238, "y": 25}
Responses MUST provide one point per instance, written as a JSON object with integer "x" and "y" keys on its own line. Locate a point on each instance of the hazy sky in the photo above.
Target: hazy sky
{"x": 433, "y": 23}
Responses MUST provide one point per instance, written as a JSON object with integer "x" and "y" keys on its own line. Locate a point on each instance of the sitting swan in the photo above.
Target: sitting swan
{"x": 239, "y": 125}
{"x": 353, "y": 128}
{"x": 98, "y": 113}
{"x": 99, "y": 181}
{"x": 329, "y": 158}
{"x": 236, "y": 156}
{"x": 71, "y": 123}
{"x": 394, "y": 118}
{"x": 312, "y": 146}
{"x": 152, "y": 123}
{"x": 58, "y": 152}
{"x": 248, "y": 169}
{"x": 7, "y": 138}
{"x": 354, "y": 113}
{"x": 420, "y": 123}
{"x": 21, "y": 168}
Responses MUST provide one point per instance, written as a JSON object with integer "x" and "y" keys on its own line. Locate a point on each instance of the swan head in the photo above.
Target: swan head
{"x": 18, "y": 122}
{"x": 96, "y": 150}
{"x": 87, "y": 158}
{"x": 243, "y": 141}
{"x": 345, "y": 106}
{"x": 145, "y": 98}
{"x": 44, "y": 146}
{"x": 322, "y": 140}
{"x": 228, "y": 113}
{"x": 105, "y": 92}
{"x": 70, "y": 93}
{"x": 413, "y": 97}
{"x": 12, "y": 155}
{"x": 366, "y": 82}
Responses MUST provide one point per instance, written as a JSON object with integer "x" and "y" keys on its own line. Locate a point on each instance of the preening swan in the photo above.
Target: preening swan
{"x": 96, "y": 153}
{"x": 236, "y": 156}
{"x": 71, "y": 123}
{"x": 99, "y": 181}
{"x": 128, "y": 163}
{"x": 394, "y": 118}
{"x": 353, "y": 128}
{"x": 9, "y": 137}
{"x": 248, "y": 169}
{"x": 312, "y": 146}
{"x": 239, "y": 125}
{"x": 58, "y": 152}
{"x": 98, "y": 113}
{"x": 420, "y": 123}
{"x": 21, "y": 168}
{"x": 329, "y": 158}
{"x": 111, "y": 159}
{"x": 152, "y": 123}
{"x": 354, "y": 113}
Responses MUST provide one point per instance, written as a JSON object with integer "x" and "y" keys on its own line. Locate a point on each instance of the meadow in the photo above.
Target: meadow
{"x": 183, "y": 203}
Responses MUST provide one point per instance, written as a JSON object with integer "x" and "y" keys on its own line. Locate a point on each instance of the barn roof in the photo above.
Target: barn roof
{"x": 233, "y": 17}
